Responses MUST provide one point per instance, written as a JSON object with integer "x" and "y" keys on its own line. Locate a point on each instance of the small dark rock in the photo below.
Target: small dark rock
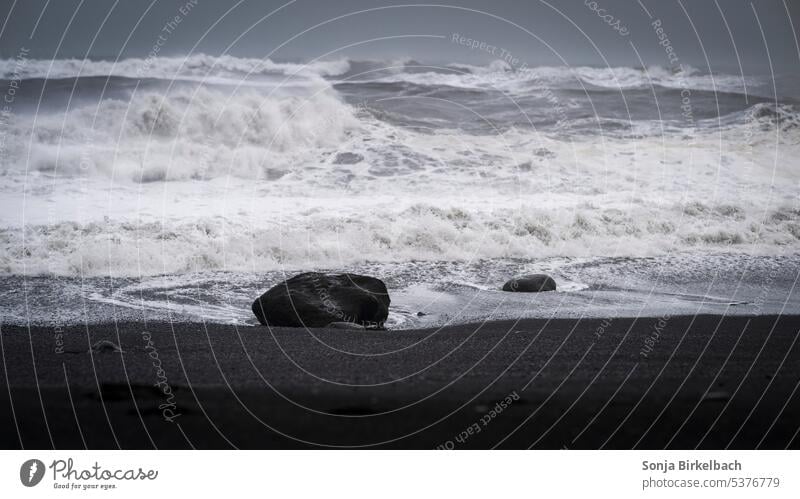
{"x": 314, "y": 299}
{"x": 533, "y": 283}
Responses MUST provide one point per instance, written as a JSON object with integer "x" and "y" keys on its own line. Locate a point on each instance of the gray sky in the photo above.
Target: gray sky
{"x": 573, "y": 31}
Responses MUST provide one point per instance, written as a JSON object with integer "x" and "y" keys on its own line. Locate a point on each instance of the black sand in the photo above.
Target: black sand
{"x": 708, "y": 382}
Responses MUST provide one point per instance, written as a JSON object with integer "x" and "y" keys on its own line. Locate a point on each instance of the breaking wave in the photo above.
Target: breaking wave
{"x": 421, "y": 232}
{"x": 363, "y": 161}
{"x": 196, "y": 133}
{"x": 197, "y": 66}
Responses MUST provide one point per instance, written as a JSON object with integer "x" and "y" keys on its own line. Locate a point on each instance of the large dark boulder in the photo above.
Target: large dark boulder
{"x": 314, "y": 299}
{"x": 532, "y": 283}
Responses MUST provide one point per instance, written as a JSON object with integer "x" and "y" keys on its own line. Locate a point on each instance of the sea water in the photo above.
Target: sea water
{"x": 184, "y": 193}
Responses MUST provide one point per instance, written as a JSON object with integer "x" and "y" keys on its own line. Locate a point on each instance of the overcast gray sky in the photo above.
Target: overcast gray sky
{"x": 536, "y": 32}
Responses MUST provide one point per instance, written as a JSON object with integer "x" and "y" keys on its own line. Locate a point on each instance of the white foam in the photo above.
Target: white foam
{"x": 212, "y": 180}
{"x": 196, "y": 66}
{"x": 191, "y": 134}
{"x": 156, "y": 230}
{"x": 499, "y": 75}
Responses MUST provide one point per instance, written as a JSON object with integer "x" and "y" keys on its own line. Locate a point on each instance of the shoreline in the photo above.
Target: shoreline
{"x": 706, "y": 381}
{"x": 430, "y": 294}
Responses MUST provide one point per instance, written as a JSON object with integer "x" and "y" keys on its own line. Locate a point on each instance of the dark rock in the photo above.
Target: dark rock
{"x": 314, "y": 299}
{"x": 533, "y": 283}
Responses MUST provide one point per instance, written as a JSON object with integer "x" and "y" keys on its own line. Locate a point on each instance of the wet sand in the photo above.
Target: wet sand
{"x": 677, "y": 382}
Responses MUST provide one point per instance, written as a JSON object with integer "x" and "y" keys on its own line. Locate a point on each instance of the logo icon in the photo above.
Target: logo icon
{"x": 31, "y": 472}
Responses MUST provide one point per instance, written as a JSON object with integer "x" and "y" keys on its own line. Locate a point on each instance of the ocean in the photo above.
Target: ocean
{"x": 182, "y": 188}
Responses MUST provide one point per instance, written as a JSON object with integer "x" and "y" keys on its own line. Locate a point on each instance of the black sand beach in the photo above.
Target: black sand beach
{"x": 707, "y": 382}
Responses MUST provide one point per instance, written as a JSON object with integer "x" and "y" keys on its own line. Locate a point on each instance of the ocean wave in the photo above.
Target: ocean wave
{"x": 198, "y": 133}
{"x": 198, "y": 66}
{"x": 144, "y": 191}
{"x": 497, "y": 73}
{"x": 419, "y": 232}
{"x": 320, "y": 142}
{"x": 401, "y": 163}
{"x": 500, "y": 75}
{"x": 771, "y": 117}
